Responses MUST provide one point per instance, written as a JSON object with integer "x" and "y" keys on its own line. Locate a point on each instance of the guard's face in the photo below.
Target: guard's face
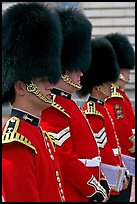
{"x": 75, "y": 76}
{"x": 44, "y": 86}
{"x": 107, "y": 88}
{"x": 30, "y": 101}
{"x": 125, "y": 73}
{"x": 124, "y": 77}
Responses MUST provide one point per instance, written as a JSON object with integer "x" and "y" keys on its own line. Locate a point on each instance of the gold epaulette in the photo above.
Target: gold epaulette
{"x": 10, "y": 133}
{"x": 91, "y": 109}
{"x": 16, "y": 137}
{"x": 12, "y": 125}
{"x": 57, "y": 106}
{"x": 132, "y": 139}
{"x": 114, "y": 92}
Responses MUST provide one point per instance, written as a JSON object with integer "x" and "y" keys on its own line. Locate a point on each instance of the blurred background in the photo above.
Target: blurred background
{"x": 106, "y": 17}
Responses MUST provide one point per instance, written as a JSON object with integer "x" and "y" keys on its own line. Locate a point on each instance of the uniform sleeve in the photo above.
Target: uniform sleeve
{"x": 100, "y": 133}
{"x": 130, "y": 113}
{"x": 73, "y": 170}
{"x": 118, "y": 110}
{"x": 18, "y": 173}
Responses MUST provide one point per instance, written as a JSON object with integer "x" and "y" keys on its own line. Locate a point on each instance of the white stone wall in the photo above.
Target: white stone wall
{"x": 107, "y": 17}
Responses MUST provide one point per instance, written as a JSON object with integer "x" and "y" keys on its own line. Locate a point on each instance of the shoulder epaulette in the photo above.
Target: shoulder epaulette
{"x": 12, "y": 125}
{"x": 57, "y": 106}
{"x": 91, "y": 109}
{"x": 114, "y": 92}
{"x": 10, "y": 133}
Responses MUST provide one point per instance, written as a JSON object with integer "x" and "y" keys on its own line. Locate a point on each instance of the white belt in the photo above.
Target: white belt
{"x": 91, "y": 162}
{"x": 116, "y": 151}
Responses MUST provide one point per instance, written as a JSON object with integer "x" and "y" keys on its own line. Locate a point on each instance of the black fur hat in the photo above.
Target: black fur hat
{"x": 31, "y": 44}
{"x": 123, "y": 49}
{"x": 76, "y": 29}
{"x": 104, "y": 66}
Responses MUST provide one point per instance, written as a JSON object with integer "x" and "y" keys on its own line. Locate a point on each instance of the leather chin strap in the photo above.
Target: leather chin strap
{"x": 34, "y": 89}
{"x": 69, "y": 81}
{"x": 102, "y": 90}
{"x": 123, "y": 78}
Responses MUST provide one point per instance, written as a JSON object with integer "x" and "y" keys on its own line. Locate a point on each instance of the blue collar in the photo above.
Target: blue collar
{"x": 61, "y": 93}
{"x": 33, "y": 120}
{"x": 96, "y": 100}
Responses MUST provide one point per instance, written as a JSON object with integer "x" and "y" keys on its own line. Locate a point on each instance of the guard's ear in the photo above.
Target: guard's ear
{"x": 20, "y": 88}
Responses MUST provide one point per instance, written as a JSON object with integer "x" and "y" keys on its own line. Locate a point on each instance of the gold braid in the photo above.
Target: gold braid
{"x": 69, "y": 81}
{"x": 34, "y": 89}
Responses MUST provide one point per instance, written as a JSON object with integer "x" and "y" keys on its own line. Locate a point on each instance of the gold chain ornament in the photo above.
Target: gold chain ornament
{"x": 123, "y": 78}
{"x": 102, "y": 90}
{"x": 34, "y": 89}
{"x": 69, "y": 81}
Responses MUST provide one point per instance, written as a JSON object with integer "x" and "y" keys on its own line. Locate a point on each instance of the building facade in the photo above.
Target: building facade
{"x": 106, "y": 17}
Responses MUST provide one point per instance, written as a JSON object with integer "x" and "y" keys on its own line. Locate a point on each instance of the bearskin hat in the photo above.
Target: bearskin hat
{"x": 76, "y": 29}
{"x": 123, "y": 49}
{"x": 31, "y": 44}
{"x": 104, "y": 66}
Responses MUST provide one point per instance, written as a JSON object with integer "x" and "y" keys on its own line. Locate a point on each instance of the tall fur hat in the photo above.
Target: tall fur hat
{"x": 31, "y": 44}
{"x": 123, "y": 49}
{"x": 104, "y": 66}
{"x": 77, "y": 30}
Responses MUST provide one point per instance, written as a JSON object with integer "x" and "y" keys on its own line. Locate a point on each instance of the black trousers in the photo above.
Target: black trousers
{"x": 124, "y": 195}
{"x": 113, "y": 198}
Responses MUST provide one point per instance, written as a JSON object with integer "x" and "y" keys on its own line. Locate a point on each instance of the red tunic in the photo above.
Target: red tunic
{"x": 104, "y": 132}
{"x": 30, "y": 170}
{"x": 74, "y": 141}
{"x": 129, "y": 109}
{"x": 118, "y": 110}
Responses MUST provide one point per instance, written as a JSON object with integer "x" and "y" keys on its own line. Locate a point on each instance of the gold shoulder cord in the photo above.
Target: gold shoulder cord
{"x": 92, "y": 109}
{"x": 115, "y": 93}
{"x": 57, "y": 106}
{"x": 10, "y": 133}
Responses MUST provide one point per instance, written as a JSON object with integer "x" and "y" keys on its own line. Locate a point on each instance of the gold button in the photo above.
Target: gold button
{"x": 63, "y": 198}
{"x": 57, "y": 173}
{"x": 61, "y": 190}
{"x": 60, "y": 185}
{"x": 52, "y": 157}
{"x": 58, "y": 179}
{"x": 49, "y": 150}
{"x": 47, "y": 144}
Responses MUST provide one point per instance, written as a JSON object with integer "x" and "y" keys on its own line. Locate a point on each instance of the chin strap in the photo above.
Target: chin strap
{"x": 34, "y": 89}
{"x": 102, "y": 90}
{"x": 123, "y": 78}
{"x": 69, "y": 81}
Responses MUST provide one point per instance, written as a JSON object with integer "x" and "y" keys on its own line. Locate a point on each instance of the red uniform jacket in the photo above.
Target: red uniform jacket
{"x": 30, "y": 170}
{"x": 74, "y": 141}
{"x": 129, "y": 109}
{"x": 104, "y": 132}
{"x": 118, "y": 110}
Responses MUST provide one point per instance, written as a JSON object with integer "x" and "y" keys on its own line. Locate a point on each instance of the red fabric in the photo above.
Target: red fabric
{"x": 97, "y": 122}
{"x": 80, "y": 145}
{"x": 122, "y": 125}
{"x": 26, "y": 176}
{"x": 129, "y": 109}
